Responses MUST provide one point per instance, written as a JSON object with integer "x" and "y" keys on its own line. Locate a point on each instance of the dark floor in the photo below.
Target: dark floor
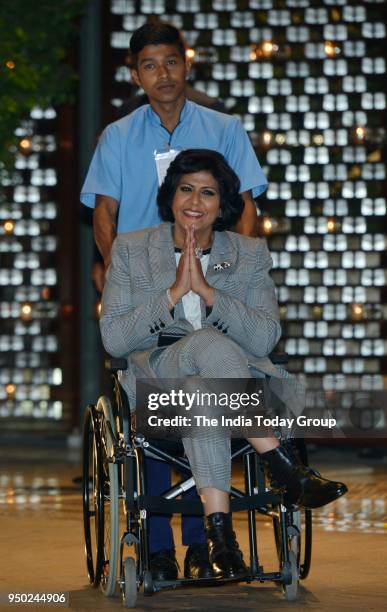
{"x": 41, "y": 540}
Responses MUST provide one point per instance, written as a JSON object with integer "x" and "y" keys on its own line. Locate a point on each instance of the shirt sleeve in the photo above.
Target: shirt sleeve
{"x": 104, "y": 174}
{"x": 242, "y": 158}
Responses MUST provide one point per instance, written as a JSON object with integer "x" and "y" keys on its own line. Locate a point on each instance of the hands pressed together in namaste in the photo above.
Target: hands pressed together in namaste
{"x": 189, "y": 273}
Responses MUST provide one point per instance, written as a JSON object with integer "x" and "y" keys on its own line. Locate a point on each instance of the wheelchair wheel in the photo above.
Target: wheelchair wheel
{"x": 92, "y": 489}
{"x": 291, "y": 590}
{"x": 110, "y": 499}
{"x": 292, "y": 536}
{"x": 301, "y": 543}
{"x": 303, "y": 520}
{"x": 129, "y": 583}
{"x": 307, "y": 530}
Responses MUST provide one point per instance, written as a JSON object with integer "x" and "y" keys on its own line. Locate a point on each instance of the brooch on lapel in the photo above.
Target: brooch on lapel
{"x": 221, "y": 266}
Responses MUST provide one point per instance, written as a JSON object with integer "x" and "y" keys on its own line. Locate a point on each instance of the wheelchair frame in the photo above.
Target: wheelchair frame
{"x": 114, "y": 475}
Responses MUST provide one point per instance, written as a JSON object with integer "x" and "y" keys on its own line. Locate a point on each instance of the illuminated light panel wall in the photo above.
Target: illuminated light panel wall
{"x": 307, "y": 80}
{"x": 31, "y": 374}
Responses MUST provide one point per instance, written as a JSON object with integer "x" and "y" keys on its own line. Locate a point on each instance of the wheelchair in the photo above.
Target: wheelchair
{"x": 115, "y": 498}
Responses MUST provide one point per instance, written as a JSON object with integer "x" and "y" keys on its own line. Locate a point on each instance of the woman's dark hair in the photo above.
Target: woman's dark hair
{"x": 155, "y": 33}
{"x": 196, "y": 160}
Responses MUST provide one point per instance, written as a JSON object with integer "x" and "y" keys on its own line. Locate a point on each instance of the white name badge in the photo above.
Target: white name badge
{"x": 163, "y": 161}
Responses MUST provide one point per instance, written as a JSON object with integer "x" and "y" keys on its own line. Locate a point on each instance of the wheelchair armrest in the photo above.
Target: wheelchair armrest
{"x": 278, "y": 357}
{"x": 113, "y": 364}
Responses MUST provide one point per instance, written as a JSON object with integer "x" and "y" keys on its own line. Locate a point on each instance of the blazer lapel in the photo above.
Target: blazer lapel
{"x": 222, "y": 260}
{"x": 221, "y": 263}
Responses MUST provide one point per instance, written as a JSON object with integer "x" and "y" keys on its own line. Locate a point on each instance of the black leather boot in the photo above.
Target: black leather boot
{"x": 163, "y": 565}
{"x": 225, "y": 555}
{"x": 300, "y": 485}
{"x": 197, "y": 563}
{"x": 290, "y": 445}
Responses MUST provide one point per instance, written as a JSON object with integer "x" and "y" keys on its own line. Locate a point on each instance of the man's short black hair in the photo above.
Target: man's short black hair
{"x": 196, "y": 160}
{"x": 155, "y": 33}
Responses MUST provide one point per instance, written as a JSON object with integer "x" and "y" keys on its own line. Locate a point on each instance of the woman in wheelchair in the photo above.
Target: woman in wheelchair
{"x": 210, "y": 289}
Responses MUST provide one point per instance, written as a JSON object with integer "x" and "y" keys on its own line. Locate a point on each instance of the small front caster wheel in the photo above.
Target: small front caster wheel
{"x": 129, "y": 587}
{"x": 290, "y": 590}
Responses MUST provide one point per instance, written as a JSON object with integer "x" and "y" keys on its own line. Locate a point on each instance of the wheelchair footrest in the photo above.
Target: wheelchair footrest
{"x": 260, "y": 576}
{"x": 160, "y": 505}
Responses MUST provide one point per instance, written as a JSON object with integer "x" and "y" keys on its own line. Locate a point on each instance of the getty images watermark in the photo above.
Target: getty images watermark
{"x": 187, "y": 402}
{"x": 175, "y": 408}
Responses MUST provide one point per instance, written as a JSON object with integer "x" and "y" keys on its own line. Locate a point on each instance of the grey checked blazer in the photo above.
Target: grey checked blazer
{"x": 135, "y": 306}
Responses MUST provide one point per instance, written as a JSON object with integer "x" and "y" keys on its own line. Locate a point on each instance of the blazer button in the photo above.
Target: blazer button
{"x": 157, "y": 328}
{"x": 215, "y": 323}
{"x": 152, "y": 331}
{"x": 162, "y": 324}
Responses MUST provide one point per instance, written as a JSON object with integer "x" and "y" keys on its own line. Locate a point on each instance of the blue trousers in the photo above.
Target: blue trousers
{"x": 160, "y": 532}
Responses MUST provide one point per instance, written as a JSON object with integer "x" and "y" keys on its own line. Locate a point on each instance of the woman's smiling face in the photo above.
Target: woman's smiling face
{"x": 196, "y": 201}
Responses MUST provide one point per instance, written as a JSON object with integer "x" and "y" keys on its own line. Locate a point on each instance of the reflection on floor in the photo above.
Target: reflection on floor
{"x": 35, "y": 481}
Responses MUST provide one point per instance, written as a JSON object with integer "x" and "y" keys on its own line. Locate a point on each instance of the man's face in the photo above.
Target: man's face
{"x": 161, "y": 72}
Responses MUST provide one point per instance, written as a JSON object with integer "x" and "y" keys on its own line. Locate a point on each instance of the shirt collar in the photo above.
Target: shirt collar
{"x": 185, "y": 113}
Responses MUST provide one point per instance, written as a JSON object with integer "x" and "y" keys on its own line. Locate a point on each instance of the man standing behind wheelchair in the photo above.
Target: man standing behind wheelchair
{"x": 225, "y": 322}
{"x": 122, "y": 184}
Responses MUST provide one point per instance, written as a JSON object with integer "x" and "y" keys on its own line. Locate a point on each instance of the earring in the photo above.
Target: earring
{"x": 220, "y": 213}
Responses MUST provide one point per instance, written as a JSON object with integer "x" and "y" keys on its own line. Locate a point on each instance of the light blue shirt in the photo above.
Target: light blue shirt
{"x": 124, "y": 168}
